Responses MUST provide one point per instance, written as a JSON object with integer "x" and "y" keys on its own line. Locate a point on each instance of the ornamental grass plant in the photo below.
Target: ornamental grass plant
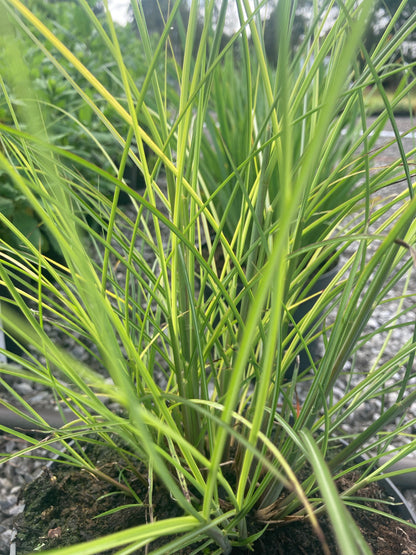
{"x": 274, "y": 170}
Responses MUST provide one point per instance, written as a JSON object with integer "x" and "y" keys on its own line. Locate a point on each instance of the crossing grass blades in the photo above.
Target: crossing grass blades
{"x": 203, "y": 409}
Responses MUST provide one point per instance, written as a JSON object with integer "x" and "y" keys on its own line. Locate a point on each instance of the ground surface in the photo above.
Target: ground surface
{"x": 62, "y": 506}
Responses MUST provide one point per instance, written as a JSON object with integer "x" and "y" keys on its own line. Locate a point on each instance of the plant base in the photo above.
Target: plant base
{"x": 62, "y": 503}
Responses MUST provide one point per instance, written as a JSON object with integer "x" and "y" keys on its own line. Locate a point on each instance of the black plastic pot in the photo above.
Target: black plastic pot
{"x": 403, "y": 509}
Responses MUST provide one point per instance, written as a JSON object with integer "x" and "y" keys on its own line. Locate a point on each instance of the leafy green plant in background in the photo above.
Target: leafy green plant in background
{"x": 72, "y": 123}
{"x": 200, "y": 378}
{"x": 18, "y": 210}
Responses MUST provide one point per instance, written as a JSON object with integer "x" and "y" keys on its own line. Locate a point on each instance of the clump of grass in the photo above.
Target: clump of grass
{"x": 294, "y": 177}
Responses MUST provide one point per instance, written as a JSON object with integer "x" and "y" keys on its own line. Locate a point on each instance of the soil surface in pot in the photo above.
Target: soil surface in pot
{"x": 61, "y": 508}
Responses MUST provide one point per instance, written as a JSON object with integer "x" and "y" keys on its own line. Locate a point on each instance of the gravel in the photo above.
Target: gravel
{"x": 17, "y": 472}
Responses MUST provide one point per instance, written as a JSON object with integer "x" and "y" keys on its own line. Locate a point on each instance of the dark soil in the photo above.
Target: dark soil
{"x": 63, "y": 503}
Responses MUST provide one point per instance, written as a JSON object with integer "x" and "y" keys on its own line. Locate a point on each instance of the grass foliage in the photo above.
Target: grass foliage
{"x": 257, "y": 180}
